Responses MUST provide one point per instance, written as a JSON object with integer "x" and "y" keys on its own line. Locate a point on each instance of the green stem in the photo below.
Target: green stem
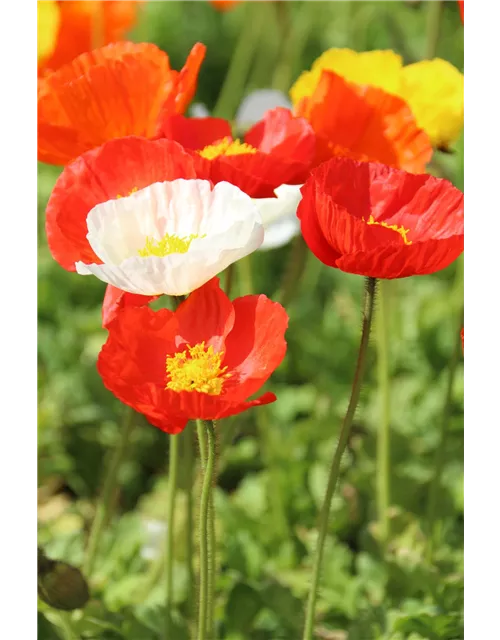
{"x": 66, "y": 626}
{"x": 434, "y": 13}
{"x": 228, "y": 284}
{"x": 241, "y": 61}
{"x": 205, "y": 566}
{"x": 440, "y": 455}
{"x": 188, "y": 461}
{"x": 383, "y": 436}
{"x": 245, "y": 276}
{"x": 339, "y": 451}
{"x": 109, "y": 486}
{"x": 173, "y": 465}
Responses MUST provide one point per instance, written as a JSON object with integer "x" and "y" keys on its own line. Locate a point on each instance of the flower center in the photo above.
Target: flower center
{"x": 393, "y": 227}
{"x": 226, "y": 147}
{"x": 167, "y": 245}
{"x": 196, "y": 369}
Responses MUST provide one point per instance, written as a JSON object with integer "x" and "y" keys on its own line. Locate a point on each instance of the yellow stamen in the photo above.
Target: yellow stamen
{"x": 196, "y": 369}
{"x": 129, "y": 193}
{"x": 226, "y": 147}
{"x": 167, "y": 245}
{"x": 393, "y": 227}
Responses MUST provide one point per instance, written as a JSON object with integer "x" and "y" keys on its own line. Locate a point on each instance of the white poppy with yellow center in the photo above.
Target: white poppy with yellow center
{"x": 171, "y": 237}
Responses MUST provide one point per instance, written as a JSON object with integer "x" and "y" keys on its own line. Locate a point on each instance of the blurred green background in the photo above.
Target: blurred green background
{"x": 273, "y": 462}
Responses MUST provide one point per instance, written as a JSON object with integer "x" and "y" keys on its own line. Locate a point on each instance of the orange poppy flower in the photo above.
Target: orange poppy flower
{"x": 115, "y": 300}
{"x": 277, "y": 150}
{"x": 223, "y": 5}
{"x": 364, "y": 123}
{"x": 202, "y": 361}
{"x": 369, "y": 219}
{"x": 461, "y": 7}
{"x": 85, "y": 25}
{"x": 113, "y": 170}
{"x": 121, "y": 89}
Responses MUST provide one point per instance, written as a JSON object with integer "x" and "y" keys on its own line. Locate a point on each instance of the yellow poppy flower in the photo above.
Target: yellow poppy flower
{"x": 49, "y": 18}
{"x": 434, "y": 89}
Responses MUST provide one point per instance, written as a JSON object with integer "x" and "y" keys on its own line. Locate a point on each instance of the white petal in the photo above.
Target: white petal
{"x": 280, "y": 232}
{"x": 227, "y": 222}
{"x": 255, "y": 104}
{"x": 284, "y": 205}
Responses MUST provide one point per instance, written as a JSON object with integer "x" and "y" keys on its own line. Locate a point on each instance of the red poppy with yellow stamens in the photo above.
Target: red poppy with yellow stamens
{"x": 364, "y": 123}
{"x": 372, "y": 220}
{"x": 119, "y": 90}
{"x": 202, "y": 361}
{"x": 84, "y": 25}
{"x": 115, "y": 300}
{"x": 277, "y": 150}
{"x": 116, "y": 169}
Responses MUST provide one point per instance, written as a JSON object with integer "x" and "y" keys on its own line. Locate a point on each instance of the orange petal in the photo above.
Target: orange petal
{"x": 364, "y": 123}
{"x": 109, "y": 93}
{"x": 86, "y": 25}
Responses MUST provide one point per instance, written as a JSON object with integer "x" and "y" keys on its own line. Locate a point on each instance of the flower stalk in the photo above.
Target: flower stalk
{"x": 339, "y": 451}
{"x": 173, "y": 465}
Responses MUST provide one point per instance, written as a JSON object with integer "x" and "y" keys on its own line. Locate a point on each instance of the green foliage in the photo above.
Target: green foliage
{"x": 273, "y": 461}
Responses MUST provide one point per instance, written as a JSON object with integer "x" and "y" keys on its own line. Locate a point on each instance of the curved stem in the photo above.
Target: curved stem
{"x": 241, "y": 61}
{"x": 337, "y": 457}
{"x": 109, "y": 486}
{"x": 205, "y": 533}
{"x": 173, "y": 464}
{"x": 383, "y": 436}
{"x": 439, "y": 458}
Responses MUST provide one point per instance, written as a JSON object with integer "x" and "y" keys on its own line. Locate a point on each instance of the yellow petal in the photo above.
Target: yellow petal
{"x": 434, "y": 89}
{"x": 48, "y": 27}
{"x": 380, "y": 69}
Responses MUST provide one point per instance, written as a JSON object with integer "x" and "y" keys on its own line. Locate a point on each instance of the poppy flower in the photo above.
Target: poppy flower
{"x": 461, "y": 7}
{"x": 115, "y": 300}
{"x": 372, "y": 220}
{"x": 118, "y": 90}
{"x": 203, "y": 360}
{"x": 224, "y": 5}
{"x": 83, "y": 26}
{"x": 364, "y": 123}
{"x": 433, "y": 89}
{"x": 276, "y": 150}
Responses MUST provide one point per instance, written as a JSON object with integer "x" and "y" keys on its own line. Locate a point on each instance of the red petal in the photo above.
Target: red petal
{"x": 194, "y": 133}
{"x": 256, "y": 346}
{"x": 284, "y": 136}
{"x": 115, "y": 300}
{"x": 116, "y": 168}
{"x": 206, "y": 316}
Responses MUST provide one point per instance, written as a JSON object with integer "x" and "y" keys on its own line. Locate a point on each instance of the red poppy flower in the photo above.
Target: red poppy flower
{"x": 364, "y": 123}
{"x": 115, "y": 300}
{"x": 119, "y": 90}
{"x": 223, "y": 5}
{"x": 372, "y": 220}
{"x": 202, "y": 361}
{"x": 85, "y": 25}
{"x": 115, "y": 169}
{"x": 277, "y": 150}
{"x": 461, "y": 7}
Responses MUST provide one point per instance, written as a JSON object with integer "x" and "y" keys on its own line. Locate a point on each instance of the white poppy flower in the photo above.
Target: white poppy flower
{"x": 171, "y": 237}
{"x": 279, "y": 216}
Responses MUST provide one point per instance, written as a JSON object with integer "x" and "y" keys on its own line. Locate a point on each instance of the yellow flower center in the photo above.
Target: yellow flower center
{"x": 196, "y": 369}
{"x": 393, "y": 227}
{"x": 167, "y": 245}
{"x": 226, "y": 147}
